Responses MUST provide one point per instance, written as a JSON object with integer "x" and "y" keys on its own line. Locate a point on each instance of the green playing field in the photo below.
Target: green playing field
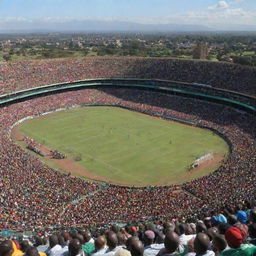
{"x": 127, "y": 147}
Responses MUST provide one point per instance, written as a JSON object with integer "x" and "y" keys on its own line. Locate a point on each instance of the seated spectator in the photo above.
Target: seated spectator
{"x": 219, "y": 244}
{"x": 6, "y": 248}
{"x": 40, "y": 244}
{"x": 235, "y": 241}
{"x": 112, "y": 243}
{"x": 54, "y": 247}
{"x": 121, "y": 240}
{"x": 184, "y": 234}
{"x": 24, "y": 245}
{"x": 136, "y": 248}
{"x": 218, "y": 218}
{"x": 122, "y": 252}
{"x": 151, "y": 248}
{"x": 16, "y": 249}
{"x": 241, "y": 215}
{"x": 32, "y": 251}
{"x": 88, "y": 246}
{"x": 201, "y": 246}
{"x": 74, "y": 248}
{"x": 100, "y": 246}
{"x": 171, "y": 245}
{"x": 252, "y": 234}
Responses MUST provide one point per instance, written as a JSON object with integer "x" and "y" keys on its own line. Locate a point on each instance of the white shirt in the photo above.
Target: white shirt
{"x": 111, "y": 253}
{"x": 55, "y": 250}
{"x": 153, "y": 249}
{"x": 208, "y": 253}
{"x": 100, "y": 252}
{"x": 185, "y": 238}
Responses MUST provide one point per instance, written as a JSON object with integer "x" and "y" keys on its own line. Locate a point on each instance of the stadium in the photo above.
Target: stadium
{"x": 216, "y": 100}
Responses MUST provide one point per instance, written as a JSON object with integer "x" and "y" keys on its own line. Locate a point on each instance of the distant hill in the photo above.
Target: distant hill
{"x": 98, "y": 26}
{"x": 111, "y": 26}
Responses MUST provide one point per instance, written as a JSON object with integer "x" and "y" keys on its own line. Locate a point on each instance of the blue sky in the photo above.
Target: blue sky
{"x": 144, "y": 11}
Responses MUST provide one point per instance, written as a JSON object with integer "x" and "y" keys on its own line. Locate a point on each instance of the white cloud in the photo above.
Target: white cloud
{"x": 219, "y": 5}
{"x": 237, "y": 1}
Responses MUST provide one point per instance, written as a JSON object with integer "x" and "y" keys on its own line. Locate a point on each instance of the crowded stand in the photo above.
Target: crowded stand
{"x": 212, "y": 215}
{"x": 223, "y": 234}
{"x": 34, "y": 195}
{"x": 27, "y": 74}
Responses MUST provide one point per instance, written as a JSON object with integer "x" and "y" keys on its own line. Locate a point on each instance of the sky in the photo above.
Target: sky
{"x": 202, "y": 12}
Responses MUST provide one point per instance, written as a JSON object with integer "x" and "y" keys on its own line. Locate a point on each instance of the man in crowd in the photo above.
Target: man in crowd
{"x": 54, "y": 247}
{"x": 112, "y": 243}
{"x": 151, "y": 249}
{"x": 100, "y": 246}
{"x": 234, "y": 239}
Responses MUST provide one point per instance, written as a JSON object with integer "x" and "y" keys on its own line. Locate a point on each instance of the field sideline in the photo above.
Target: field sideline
{"x": 127, "y": 147}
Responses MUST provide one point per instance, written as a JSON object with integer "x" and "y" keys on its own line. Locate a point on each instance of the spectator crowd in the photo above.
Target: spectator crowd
{"x": 228, "y": 233}
{"x": 27, "y": 74}
{"x": 36, "y": 197}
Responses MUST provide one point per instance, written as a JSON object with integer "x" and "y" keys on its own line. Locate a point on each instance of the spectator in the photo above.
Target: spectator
{"x": 235, "y": 241}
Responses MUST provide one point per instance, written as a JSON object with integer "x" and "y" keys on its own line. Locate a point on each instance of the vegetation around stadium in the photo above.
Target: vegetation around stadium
{"x": 124, "y": 147}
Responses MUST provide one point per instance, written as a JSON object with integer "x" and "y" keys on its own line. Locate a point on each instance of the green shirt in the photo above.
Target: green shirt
{"x": 243, "y": 250}
{"x": 88, "y": 248}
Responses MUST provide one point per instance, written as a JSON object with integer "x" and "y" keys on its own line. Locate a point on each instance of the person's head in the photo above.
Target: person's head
{"x": 242, "y": 217}
{"x": 239, "y": 207}
{"x": 53, "y": 240}
{"x": 86, "y": 235}
{"x": 223, "y": 227}
{"x": 207, "y": 222}
{"x": 234, "y": 237}
{"x": 183, "y": 228}
{"x": 79, "y": 237}
{"x": 6, "y": 248}
{"x": 244, "y": 230}
{"x": 201, "y": 243}
{"x": 74, "y": 247}
{"x": 38, "y": 241}
{"x": 121, "y": 238}
{"x": 61, "y": 240}
{"x": 253, "y": 216}
{"x": 136, "y": 248}
{"x": 171, "y": 242}
{"x": 45, "y": 240}
{"x": 168, "y": 227}
{"x": 212, "y": 232}
{"x": 252, "y": 230}
{"x": 122, "y": 252}
{"x": 115, "y": 228}
{"x": 32, "y": 251}
{"x": 100, "y": 243}
{"x": 232, "y": 219}
{"x": 129, "y": 241}
{"x": 133, "y": 231}
{"x": 24, "y": 245}
{"x": 112, "y": 240}
{"x": 66, "y": 236}
{"x": 149, "y": 237}
{"x": 201, "y": 228}
{"x": 219, "y": 243}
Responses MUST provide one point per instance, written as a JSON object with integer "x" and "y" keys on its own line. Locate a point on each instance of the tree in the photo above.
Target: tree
{"x": 7, "y": 57}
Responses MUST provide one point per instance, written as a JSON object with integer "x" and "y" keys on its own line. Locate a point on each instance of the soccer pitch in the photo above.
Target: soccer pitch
{"x": 126, "y": 147}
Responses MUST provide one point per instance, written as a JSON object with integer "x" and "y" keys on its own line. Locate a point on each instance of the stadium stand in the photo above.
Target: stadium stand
{"x": 35, "y": 197}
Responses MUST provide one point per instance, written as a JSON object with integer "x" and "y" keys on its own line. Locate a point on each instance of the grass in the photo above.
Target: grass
{"x": 126, "y": 146}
